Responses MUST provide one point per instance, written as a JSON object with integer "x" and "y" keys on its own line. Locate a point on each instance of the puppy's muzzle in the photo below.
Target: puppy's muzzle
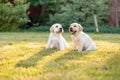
{"x": 61, "y": 29}
{"x": 72, "y": 31}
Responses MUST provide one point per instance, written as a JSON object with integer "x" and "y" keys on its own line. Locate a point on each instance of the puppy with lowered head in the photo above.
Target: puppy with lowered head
{"x": 81, "y": 41}
{"x": 56, "y": 39}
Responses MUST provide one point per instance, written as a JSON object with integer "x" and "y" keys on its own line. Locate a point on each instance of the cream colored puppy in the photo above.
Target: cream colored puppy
{"x": 56, "y": 39}
{"x": 81, "y": 41}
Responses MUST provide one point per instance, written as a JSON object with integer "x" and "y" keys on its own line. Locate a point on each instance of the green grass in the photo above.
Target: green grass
{"x": 102, "y": 29}
{"x": 23, "y": 57}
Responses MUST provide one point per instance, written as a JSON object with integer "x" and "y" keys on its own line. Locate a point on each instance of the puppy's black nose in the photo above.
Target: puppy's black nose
{"x": 60, "y": 28}
{"x": 70, "y": 29}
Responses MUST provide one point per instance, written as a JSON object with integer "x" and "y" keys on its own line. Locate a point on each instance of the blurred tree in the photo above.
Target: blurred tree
{"x": 42, "y": 2}
{"x": 11, "y": 17}
{"x": 81, "y": 12}
{"x": 52, "y": 11}
{"x": 39, "y": 10}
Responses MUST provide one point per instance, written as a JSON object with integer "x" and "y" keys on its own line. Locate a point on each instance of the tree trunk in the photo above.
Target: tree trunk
{"x": 116, "y": 13}
{"x": 96, "y": 23}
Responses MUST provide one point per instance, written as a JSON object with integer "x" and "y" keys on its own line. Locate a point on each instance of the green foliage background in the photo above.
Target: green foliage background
{"x": 11, "y": 17}
{"x": 56, "y": 11}
{"x": 68, "y": 11}
{"x": 80, "y": 11}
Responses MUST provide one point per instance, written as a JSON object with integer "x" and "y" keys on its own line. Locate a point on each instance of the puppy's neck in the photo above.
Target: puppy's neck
{"x": 77, "y": 33}
{"x": 56, "y": 34}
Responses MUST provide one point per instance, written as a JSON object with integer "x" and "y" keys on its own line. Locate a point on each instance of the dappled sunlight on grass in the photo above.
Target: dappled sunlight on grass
{"x": 29, "y": 60}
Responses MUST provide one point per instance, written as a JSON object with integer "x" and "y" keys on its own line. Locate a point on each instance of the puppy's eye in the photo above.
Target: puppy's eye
{"x": 56, "y": 26}
{"x": 74, "y": 25}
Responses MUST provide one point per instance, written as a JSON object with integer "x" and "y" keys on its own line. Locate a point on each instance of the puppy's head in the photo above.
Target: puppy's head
{"x": 75, "y": 28}
{"x": 56, "y": 28}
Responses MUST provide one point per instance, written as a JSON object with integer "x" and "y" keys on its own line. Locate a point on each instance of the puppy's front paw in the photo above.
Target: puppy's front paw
{"x": 75, "y": 49}
{"x": 79, "y": 50}
{"x": 61, "y": 48}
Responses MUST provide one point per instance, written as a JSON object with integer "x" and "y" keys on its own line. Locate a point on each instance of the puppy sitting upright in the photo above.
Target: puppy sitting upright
{"x": 56, "y": 39}
{"x": 81, "y": 41}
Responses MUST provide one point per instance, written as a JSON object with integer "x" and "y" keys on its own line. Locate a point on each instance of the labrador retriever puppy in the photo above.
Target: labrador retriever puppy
{"x": 56, "y": 39}
{"x": 81, "y": 41}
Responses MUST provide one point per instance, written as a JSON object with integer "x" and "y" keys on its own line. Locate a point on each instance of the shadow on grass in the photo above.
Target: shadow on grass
{"x": 60, "y": 62}
{"x": 32, "y": 60}
{"x": 71, "y": 55}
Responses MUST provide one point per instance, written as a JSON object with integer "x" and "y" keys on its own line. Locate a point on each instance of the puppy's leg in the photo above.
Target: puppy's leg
{"x": 61, "y": 44}
{"x": 91, "y": 47}
{"x": 80, "y": 47}
{"x": 74, "y": 46}
{"x": 48, "y": 44}
{"x": 65, "y": 43}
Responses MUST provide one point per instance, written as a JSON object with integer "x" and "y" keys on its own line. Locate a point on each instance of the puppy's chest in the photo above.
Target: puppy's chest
{"x": 55, "y": 40}
{"x": 76, "y": 39}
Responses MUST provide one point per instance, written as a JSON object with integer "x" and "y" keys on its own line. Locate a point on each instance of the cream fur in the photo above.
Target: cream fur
{"x": 56, "y": 40}
{"x": 81, "y": 40}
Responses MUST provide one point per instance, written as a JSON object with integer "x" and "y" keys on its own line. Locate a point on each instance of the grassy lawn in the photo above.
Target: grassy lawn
{"x": 23, "y": 57}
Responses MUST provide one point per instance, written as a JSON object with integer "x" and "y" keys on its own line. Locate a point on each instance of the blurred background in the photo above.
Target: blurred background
{"x": 39, "y": 15}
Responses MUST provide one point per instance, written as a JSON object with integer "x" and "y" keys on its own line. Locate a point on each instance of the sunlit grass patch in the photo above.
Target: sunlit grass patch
{"x": 25, "y": 57}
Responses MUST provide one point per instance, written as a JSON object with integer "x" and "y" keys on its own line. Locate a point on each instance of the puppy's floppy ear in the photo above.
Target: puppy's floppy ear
{"x": 80, "y": 27}
{"x": 51, "y": 29}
